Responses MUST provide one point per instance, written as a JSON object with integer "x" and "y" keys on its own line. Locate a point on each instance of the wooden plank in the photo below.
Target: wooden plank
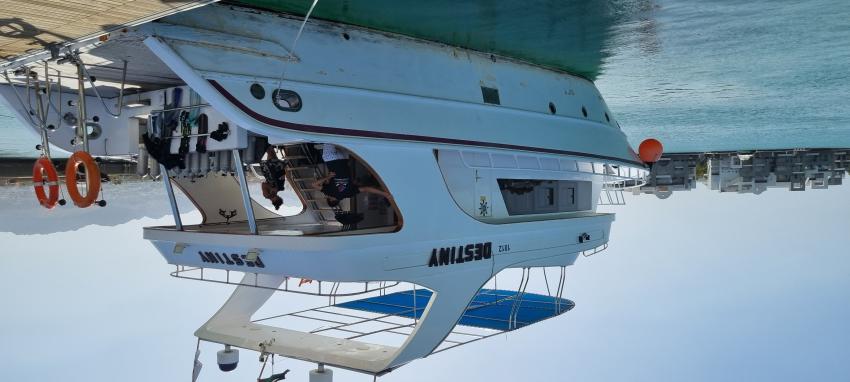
{"x": 30, "y": 25}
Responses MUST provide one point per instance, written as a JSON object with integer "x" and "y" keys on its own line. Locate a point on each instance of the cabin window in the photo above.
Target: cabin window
{"x": 258, "y": 91}
{"x": 490, "y": 95}
{"x": 286, "y": 100}
{"x": 532, "y": 196}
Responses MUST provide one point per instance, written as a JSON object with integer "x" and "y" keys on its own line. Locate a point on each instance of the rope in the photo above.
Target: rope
{"x": 295, "y": 42}
{"x": 263, "y": 368}
{"x": 62, "y": 196}
{"x": 273, "y": 377}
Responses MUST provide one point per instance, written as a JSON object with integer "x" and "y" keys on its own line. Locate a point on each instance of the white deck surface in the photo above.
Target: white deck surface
{"x": 331, "y": 351}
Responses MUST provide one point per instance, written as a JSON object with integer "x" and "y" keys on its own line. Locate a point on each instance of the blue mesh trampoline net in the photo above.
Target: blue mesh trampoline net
{"x": 490, "y": 308}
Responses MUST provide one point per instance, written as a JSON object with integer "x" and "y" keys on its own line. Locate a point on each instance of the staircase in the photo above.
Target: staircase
{"x": 304, "y": 167}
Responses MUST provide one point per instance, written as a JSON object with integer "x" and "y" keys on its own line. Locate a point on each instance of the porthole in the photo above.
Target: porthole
{"x": 607, "y": 118}
{"x": 346, "y": 36}
{"x": 70, "y": 119}
{"x": 94, "y": 130}
{"x": 286, "y": 100}
{"x": 258, "y": 91}
{"x": 584, "y": 111}
{"x": 552, "y": 108}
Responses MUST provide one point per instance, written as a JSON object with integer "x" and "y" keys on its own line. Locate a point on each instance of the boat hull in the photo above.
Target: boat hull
{"x": 377, "y": 86}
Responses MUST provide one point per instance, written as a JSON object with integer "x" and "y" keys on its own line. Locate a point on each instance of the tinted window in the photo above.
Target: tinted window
{"x": 490, "y": 95}
{"x": 529, "y": 196}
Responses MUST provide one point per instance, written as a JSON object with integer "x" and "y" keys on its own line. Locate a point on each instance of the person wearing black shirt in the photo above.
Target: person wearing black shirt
{"x": 274, "y": 170}
{"x": 338, "y": 185}
{"x": 337, "y": 188}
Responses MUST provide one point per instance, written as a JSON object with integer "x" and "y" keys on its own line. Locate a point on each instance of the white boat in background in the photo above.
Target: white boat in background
{"x": 492, "y": 164}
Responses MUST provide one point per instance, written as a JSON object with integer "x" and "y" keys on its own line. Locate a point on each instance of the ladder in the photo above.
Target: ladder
{"x": 304, "y": 167}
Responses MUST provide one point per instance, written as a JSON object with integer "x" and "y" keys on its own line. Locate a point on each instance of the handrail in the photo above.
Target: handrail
{"x": 18, "y": 96}
{"x": 597, "y": 249}
{"x": 198, "y": 106}
{"x": 184, "y": 272}
{"x": 82, "y": 66}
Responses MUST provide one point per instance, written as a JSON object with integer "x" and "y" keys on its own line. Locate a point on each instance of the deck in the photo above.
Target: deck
{"x": 281, "y": 227}
{"x": 28, "y": 27}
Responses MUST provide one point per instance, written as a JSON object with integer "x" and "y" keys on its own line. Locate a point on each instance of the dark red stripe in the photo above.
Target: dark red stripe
{"x": 406, "y": 137}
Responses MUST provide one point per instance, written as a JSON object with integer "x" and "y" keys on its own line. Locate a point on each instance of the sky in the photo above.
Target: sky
{"x": 701, "y": 287}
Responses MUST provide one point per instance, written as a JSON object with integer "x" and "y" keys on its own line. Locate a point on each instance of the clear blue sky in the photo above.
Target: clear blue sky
{"x": 699, "y": 287}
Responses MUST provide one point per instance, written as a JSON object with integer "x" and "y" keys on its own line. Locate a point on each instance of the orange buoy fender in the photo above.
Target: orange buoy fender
{"x": 92, "y": 179}
{"x": 650, "y": 150}
{"x": 43, "y": 173}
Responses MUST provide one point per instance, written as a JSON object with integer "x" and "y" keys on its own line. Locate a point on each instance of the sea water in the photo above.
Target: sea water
{"x": 702, "y": 75}
{"x": 727, "y": 75}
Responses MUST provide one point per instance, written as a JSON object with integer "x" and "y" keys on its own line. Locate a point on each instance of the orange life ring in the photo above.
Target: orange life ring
{"x": 92, "y": 179}
{"x": 43, "y": 167}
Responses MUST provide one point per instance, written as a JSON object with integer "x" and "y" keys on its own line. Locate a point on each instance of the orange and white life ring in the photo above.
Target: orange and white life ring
{"x": 92, "y": 179}
{"x": 44, "y": 174}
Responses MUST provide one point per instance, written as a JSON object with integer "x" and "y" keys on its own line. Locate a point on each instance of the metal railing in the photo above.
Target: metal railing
{"x": 319, "y": 288}
{"x": 591, "y": 252}
{"x": 611, "y": 198}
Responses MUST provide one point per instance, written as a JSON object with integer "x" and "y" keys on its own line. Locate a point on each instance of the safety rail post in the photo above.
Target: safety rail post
{"x": 166, "y": 180}
{"x": 82, "y": 123}
{"x": 246, "y": 197}
{"x": 42, "y": 115}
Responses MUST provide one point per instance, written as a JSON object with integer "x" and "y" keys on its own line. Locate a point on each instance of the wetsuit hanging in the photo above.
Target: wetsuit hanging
{"x": 203, "y": 128}
{"x": 170, "y": 118}
{"x": 185, "y": 131}
{"x": 160, "y": 149}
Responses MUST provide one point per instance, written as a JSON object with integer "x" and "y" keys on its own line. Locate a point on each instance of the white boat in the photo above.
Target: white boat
{"x": 492, "y": 164}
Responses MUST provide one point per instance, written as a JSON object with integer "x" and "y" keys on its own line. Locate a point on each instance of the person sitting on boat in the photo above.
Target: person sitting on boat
{"x": 274, "y": 170}
{"x": 338, "y": 184}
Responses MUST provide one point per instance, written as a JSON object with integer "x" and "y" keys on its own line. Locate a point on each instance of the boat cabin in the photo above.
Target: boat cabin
{"x": 221, "y": 198}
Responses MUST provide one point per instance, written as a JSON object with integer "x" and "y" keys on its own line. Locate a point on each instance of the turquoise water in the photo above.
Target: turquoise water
{"x": 723, "y": 75}
{"x": 15, "y": 139}
{"x": 701, "y": 75}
